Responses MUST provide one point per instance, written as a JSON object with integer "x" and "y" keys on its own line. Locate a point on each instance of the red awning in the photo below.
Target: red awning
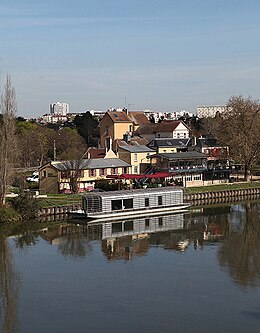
{"x": 140, "y": 176}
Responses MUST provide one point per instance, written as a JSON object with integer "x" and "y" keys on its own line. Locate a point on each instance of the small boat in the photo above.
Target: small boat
{"x": 115, "y": 205}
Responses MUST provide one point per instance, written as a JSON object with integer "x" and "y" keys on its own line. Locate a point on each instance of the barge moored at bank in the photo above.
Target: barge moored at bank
{"x": 132, "y": 203}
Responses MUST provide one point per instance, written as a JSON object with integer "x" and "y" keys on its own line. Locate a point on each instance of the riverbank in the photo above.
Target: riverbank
{"x": 57, "y": 207}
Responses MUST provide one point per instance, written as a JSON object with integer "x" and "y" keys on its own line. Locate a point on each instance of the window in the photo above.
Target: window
{"x": 146, "y": 202}
{"x": 189, "y": 178}
{"x": 92, "y": 173}
{"x": 64, "y": 174}
{"x": 116, "y": 227}
{"x": 106, "y": 130}
{"x": 101, "y": 172}
{"x": 197, "y": 177}
{"x": 125, "y": 169}
{"x": 128, "y": 203}
{"x": 113, "y": 171}
{"x": 160, "y": 221}
{"x": 135, "y": 169}
{"x": 147, "y": 223}
{"x": 178, "y": 135}
{"x": 81, "y": 173}
{"x": 116, "y": 204}
{"x": 184, "y": 135}
{"x": 135, "y": 158}
{"x": 160, "y": 200}
{"x": 44, "y": 174}
{"x": 128, "y": 226}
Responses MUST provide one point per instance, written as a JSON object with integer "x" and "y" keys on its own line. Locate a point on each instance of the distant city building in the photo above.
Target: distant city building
{"x": 53, "y": 118}
{"x": 59, "y": 108}
{"x": 210, "y": 111}
{"x": 170, "y": 115}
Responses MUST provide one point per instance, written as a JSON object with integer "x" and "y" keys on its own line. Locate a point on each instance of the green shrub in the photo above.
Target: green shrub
{"x": 108, "y": 185}
{"x": 8, "y": 214}
{"x": 26, "y": 205}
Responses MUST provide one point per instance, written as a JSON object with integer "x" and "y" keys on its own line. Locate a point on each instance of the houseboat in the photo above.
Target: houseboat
{"x": 116, "y": 205}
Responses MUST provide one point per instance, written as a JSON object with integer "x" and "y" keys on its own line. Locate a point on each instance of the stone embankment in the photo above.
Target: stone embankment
{"x": 221, "y": 196}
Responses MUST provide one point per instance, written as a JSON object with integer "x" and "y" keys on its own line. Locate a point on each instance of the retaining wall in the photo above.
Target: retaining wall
{"x": 221, "y": 196}
{"x": 58, "y": 210}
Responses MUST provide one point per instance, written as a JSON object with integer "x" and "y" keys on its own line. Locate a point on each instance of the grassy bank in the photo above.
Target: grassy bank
{"x": 53, "y": 200}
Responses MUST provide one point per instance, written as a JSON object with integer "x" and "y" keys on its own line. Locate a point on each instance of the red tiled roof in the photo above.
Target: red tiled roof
{"x": 119, "y": 116}
{"x": 168, "y": 125}
{"x": 146, "y": 129}
{"x": 138, "y": 118}
{"x": 96, "y": 153}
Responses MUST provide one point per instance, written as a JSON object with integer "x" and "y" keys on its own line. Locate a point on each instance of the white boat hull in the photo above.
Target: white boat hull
{"x": 118, "y": 215}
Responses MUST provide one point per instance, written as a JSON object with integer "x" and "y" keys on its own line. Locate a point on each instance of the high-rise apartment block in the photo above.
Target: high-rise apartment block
{"x": 210, "y": 111}
{"x": 59, "y": 108}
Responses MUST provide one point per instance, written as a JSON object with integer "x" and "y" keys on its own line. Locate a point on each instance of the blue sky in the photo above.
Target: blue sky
{"x": 163, "y": 55}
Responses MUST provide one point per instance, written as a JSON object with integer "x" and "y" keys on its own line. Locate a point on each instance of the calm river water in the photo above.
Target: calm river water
{"x": 192, "y": 272}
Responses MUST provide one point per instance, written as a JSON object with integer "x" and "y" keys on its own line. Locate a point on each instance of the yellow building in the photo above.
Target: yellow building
{"x": 136, "y": 156}
{"x": 115, "y": 124}
{"x": 56, "y": 177}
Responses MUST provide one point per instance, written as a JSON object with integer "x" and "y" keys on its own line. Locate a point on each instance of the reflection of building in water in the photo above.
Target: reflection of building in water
{"x": 130, "y": 238}
{"x": 56, "y": 234}
{"x": 125, "y": 239}
{"x": 146, "y": 225}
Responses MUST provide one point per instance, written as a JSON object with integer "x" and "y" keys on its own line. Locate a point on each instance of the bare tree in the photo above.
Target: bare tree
{"x": 72, "y": 171}
{"x": 238, "y": 128}
{"x": 7, "y": 139}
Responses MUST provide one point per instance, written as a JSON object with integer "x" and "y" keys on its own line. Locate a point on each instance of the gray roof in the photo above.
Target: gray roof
{"x": 127, "y": 193}
{"x": 102, "y": 163}
{"x": 207, "y": 142}
{"x": 168, "y": 142}
{"x": 137, "y": 148}
{"x": 94, "y": 163}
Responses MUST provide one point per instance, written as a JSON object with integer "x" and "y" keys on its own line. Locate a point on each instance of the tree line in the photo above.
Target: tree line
{"x": 27, "y": 144}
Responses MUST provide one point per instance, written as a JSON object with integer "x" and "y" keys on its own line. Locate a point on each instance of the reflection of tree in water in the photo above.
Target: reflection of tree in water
{"x": 26, "y": 239}
{"x": 240, "y": 253}
{"x": 74, "y": 243}
{"x": 8, "y": 289}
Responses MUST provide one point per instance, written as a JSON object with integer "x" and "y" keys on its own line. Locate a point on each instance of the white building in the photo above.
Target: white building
{"x": 59, "y": 108}
{"x": 210, "y": 111}
{"x": 54, "y": 118}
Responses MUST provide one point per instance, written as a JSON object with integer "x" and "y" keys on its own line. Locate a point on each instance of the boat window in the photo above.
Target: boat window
{"x": 160, "y": 200}
{"x": 128, "y": 203}
{"x": 93, "y": 204}
{"x": 128, "y": 226}
{"x": 116, "y": 204}
{"x": 146, "y": 202}
{"x": 160, "y": 221}
{"x": 116, "y": 227}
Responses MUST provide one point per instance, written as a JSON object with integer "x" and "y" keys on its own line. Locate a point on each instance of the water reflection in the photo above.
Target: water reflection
{"x": 9, "y": 284}
{"x": 240, "y": 252}
{"x": 128, "y": 239}
{"x": 71, "y": 239}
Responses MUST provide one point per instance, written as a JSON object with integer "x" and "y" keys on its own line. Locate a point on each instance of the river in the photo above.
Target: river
{"x": 192, "y": 272}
